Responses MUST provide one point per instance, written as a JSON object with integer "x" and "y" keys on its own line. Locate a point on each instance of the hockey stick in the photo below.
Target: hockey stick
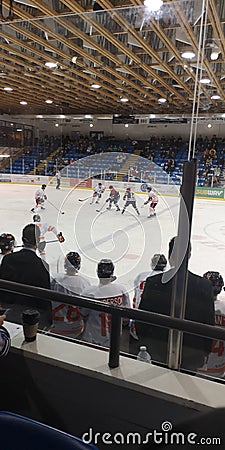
{"x": 99, "y": 210}
{"x": 61, "y": 212}
{"x": 84, "y": 199}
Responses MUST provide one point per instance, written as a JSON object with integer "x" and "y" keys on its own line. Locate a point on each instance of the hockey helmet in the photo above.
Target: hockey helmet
{"x": 43, "y": 186}
{"x": 7, "y": 242}
{"x": 158, "y": 262}
{"x": 149, "y": 188}
{"x": 128, "y": 189}
{"x": 100, "y": 184}
{"x": 216, "y": 280}
{"x": 105, "y": 268}
{"x": 36, "y": 218}
{"x": 111, "y": 186}
{"x": 72, "y": 260}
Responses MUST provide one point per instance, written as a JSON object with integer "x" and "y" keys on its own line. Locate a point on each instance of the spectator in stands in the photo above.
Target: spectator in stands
{"x": 97, "y": 324}
{"x": 5, "y": 340}
{"x": 66, "y": 318}
{"x": 199, "y": 308}
{"x": 27, "y": 268}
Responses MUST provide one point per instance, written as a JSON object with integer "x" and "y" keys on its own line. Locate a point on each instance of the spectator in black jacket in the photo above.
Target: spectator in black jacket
{"x": 199, "y": 308}
{"x": 27, "y": 268}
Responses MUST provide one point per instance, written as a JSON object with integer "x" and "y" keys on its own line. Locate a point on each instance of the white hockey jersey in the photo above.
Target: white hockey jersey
{"x": 152, "y": 197}
{"x": 44, "y": 228}
{"x": 66, "y": 318}
{"x": 139, "y": 284}
{"x": 99, "y": 190}
{"x": 215, "y": 364}
{"x": 97, "y": 323}
{"x": 40, "y": 194}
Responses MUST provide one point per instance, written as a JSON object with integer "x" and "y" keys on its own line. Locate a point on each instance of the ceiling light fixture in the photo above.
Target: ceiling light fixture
{"x": 49, "y": 101}
{"x": 188, "y": 54}
{"x": 23, "y": 103}
{"x": 162, "y": 100}
{"x": 223, "y": 115}
{"x": 124, "y": 100}
{"x": 95, "y": 86}
{"x": 126, "y": 125}
{"x": 74, "y": 59}
{"x": 91, "y": 125}
{"x": 205, "y": 80}
{"x": 209, "y": 125}
{"x": 51, "y": 65}
{"x": 8, "y": 89}
{"x": 88, "y": 116}
{"x": 214, "y": 55}
{"x": 153, "y": 5}
{"x": 39, "y": 117}
{"x": 215, "y": 97}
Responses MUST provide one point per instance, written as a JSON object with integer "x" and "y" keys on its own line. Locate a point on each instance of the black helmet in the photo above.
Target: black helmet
{"x": 216, "y": 280}
{"x": 158, "y": 262}
{"x": 72, "y": 260}
{"x": 7, "y": 242}
{"x": 105, "y": 268}
{"x": 43, "y": 186}
{"x": 36, "y": 218}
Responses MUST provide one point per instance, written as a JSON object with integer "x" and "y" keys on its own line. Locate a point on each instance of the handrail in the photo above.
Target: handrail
{"x": 117, "y": 312}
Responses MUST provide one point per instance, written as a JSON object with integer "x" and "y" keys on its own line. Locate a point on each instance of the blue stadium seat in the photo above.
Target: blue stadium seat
{"x": 19, "y": 432}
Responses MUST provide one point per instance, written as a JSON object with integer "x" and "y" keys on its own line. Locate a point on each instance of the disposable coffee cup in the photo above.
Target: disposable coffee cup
{"x": 30, "y": 318}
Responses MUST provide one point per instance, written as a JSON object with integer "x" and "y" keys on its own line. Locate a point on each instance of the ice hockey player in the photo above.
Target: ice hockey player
{"x": 97, "y": 324}
{"x": 153, "y": 200}
{"x": 215, "y": 363}
{"x": 158, "y": 264}
{"x": 98, "y": 191}
{"x": 114, "y": 197}
{"x": 44, "y": 228}
{"x": 58, "y": 179}
{"x": 130, "y": 199}
{"x": 7, "y": 244}
{"x": 66, "y": 318}
{"x": 40, "y": 198}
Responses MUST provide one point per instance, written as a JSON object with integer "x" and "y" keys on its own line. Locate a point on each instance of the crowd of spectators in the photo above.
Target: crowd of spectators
{"x": 168, "y": 153}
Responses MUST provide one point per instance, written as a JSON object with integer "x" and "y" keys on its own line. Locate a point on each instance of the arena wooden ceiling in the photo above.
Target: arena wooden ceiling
{"x": 130, "y": 53}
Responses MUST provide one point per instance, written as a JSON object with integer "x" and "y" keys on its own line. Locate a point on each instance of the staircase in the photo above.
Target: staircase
{"x": 130, "y": 162}
{"x": 43, "y": 163}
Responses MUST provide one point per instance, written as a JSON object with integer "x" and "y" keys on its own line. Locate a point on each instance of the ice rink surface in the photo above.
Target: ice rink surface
{"x": 129, "y": 240}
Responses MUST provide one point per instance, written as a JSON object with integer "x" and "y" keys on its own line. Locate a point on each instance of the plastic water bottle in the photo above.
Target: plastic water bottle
{"x": 143, "y": 355}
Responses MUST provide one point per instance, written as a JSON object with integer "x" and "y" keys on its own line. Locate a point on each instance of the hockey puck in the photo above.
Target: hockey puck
{"x": 62, "y": 213}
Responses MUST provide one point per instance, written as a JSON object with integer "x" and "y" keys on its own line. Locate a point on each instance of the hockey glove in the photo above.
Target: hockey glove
{"x": 145, "y": 203}
{"x": 45, "y": 197}
{"x": 60, "y": 237}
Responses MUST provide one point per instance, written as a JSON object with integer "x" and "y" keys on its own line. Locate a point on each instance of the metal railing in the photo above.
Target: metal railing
{"x": 117, "y": 313}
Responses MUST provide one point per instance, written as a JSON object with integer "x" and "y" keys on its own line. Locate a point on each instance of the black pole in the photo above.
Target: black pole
{"x": 181, "y": 255}
{"x": 114, "y": 350}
